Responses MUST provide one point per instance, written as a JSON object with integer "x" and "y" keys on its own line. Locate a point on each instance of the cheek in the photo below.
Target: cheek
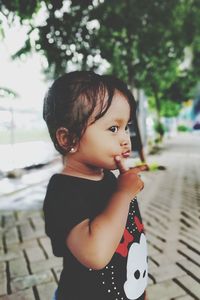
{"x": 114, "y": 146}
{"x": 115, "y": 151}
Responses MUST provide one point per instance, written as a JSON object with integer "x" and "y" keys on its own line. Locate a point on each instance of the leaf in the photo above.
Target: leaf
{"x": 24, "y": 50}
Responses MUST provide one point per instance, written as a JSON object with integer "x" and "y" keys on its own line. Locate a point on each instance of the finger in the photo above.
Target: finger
{"x": 139, "y": 169}
{"x": 120, "y": 164}
{"x": 142, "y": 186}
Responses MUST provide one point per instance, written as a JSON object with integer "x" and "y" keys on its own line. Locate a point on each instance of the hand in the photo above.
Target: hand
{"x": 129, "y": 181}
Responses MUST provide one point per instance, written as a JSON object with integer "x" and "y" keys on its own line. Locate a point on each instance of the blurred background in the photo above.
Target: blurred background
{"x": 154, "y": 46}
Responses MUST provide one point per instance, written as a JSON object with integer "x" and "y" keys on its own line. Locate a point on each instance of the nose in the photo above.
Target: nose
{"x": 125, "y": 140}
{"x": 124, "y": 143}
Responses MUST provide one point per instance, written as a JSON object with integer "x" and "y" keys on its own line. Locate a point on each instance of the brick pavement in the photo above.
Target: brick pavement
{"x": 170, "y": 205}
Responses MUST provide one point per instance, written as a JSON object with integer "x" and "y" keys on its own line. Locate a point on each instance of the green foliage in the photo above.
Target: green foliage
{"x": 1, "y": 33}
{"x": 159, "y": 128}
{"x": 170, "y": 109}
{"x": 182, "y": 128}
{"x": 5, "y": 93}
{"x": 23, "y": 8}
{"x": 24, "y": 50}
{"x": 143, "y": 41}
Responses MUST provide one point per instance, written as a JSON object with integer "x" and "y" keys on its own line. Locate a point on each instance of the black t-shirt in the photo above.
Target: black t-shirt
{"x": 70, "y": 200}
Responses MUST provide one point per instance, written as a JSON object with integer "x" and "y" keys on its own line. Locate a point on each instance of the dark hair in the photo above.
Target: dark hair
{"x": 72, "y": 98}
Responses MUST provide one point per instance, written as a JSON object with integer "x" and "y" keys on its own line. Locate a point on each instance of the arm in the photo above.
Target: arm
{"x": 94, "y": 243}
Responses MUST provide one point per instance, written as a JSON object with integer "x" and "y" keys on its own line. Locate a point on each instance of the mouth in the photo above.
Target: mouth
{"x": 126, "y": 154}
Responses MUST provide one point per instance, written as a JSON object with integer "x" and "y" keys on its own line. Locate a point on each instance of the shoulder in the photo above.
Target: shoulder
{"x": 62, "y": 192}
{"x": 58, "y": 179}
{"x": 63, "y": 183}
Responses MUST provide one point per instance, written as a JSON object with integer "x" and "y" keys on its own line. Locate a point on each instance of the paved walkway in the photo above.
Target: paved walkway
{"x": 170, "y": 205}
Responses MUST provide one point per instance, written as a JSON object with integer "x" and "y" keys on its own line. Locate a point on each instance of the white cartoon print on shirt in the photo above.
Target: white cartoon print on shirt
{"x": 137, "y": 269}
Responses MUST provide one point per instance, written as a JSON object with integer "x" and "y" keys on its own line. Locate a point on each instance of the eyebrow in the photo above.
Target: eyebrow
{"x": 120, "y": 120}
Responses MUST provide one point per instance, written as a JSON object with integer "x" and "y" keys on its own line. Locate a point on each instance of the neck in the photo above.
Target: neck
{"x": 83, "y": 171}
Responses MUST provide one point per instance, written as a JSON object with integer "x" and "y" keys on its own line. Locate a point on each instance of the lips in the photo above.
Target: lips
{"x": 126, "y": 154}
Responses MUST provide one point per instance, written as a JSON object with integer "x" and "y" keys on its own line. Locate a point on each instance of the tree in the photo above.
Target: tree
{"x": 64, "y": 36}
{"x": 24, "y": 9}
{"x": 135, "y": 37}
{"x": 143, "y": 41}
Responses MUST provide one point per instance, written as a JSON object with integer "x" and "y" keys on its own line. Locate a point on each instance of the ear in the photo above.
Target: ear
{"x": 62, "y": 137}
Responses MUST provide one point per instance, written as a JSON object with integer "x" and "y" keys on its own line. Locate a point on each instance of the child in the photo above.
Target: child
{"x": 92, "y": 217}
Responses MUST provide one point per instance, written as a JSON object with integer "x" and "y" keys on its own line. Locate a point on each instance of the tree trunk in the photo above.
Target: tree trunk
{"x": 159, "y": 126}
{"x": 157, "y": 102}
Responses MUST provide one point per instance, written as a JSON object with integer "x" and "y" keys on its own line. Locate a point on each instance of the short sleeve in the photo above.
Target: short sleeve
{"x": 65, "y": 206}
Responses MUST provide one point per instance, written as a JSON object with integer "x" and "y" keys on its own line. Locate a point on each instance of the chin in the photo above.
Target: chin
{"x": 111, "y": 168}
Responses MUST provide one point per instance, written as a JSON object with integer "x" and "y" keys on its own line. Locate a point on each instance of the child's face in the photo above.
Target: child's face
{"x": 107, "y": 137}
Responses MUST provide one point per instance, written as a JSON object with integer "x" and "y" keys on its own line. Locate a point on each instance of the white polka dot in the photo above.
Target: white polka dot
{"x": 103, "y": 282}
{"x": 109, "y": 291}
{"x": 112, "y": 267}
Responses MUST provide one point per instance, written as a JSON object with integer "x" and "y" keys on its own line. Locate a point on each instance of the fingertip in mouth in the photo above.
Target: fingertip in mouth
{"x": 126, "y": 154}
{"x": 117, "y": 158}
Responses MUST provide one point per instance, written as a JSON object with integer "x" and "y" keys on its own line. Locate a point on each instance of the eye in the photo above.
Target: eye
{"x": 114, "y": 128}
